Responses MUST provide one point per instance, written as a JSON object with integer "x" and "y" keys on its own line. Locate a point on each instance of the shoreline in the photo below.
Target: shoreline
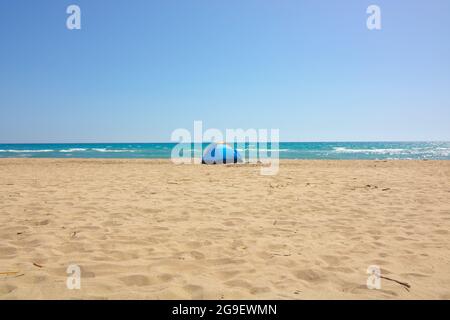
{"x": 168, "y": 160}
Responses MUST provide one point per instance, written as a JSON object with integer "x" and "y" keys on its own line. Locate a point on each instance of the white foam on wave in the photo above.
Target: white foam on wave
{"x": 263, "y": 150}
{"x": 378, "y": 151}
{"x": 72, "y": 150}
{"x": 111, "y": 150}
{"x": 27, "y": 151}
{"x": 440, "y": 152}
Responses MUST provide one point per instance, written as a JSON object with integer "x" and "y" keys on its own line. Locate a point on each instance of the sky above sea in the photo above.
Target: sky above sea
{"x": 138, "y": 70}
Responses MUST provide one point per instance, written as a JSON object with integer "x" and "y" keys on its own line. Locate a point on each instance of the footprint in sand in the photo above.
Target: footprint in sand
{"x": 136, "y": 280}
{"x": 197, "y": 255}
{"x": 310, "y": 275}
{"x": 196, "y": 292}
{"x": 6, "y": 252}
{"x": 6, "y": 288}
{"x": 165, "y": 277}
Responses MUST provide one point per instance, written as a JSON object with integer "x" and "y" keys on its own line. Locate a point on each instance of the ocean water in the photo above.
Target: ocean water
{"x": 287, "y": 150}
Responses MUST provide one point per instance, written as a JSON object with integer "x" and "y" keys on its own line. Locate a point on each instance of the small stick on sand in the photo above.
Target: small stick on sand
{"x": 406, "y": 285}
{"x": 9, "y": 273}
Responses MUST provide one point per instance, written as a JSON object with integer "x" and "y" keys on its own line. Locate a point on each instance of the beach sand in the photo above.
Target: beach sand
{"x": 149, "y": 229}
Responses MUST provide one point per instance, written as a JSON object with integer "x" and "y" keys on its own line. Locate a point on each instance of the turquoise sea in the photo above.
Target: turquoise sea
{"x": 287, "y": 150}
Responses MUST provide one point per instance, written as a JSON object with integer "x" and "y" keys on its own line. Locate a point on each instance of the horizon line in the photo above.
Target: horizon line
{"x": 175, "y": 142}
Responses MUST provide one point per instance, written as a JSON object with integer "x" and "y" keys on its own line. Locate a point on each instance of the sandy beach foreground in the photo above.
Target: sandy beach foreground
{"x": 149, "y": 229}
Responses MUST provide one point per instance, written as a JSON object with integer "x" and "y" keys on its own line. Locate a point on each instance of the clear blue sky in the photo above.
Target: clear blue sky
{"x": 139, "y": 69}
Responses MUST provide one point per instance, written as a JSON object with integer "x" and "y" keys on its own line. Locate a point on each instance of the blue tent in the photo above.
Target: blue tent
{"x": 220, "y": 153}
